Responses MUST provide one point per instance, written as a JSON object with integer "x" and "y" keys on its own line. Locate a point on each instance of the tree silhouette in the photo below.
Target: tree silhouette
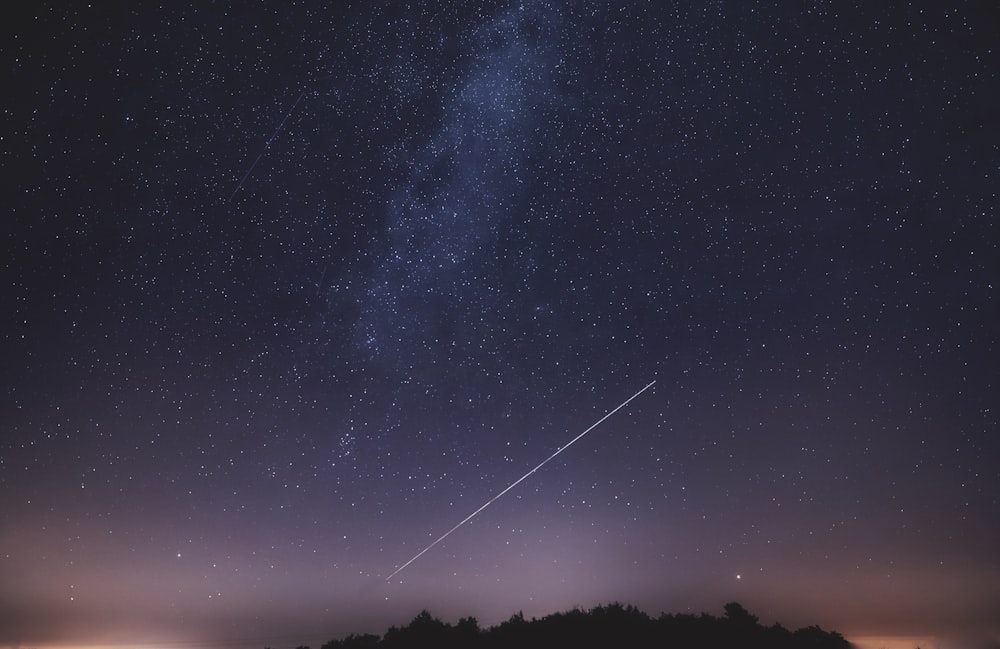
{"x": 613, "y": 626}
{"x": 738, "y": 615}
{"x": 364, "y": 641}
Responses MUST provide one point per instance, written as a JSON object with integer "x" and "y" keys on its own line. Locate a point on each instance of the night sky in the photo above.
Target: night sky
{"x": 289, "y": 291}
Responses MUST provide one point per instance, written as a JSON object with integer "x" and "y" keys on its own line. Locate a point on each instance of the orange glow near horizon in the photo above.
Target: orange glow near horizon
{"x": 923, "y": 642}
{"x": 894, "y": 642}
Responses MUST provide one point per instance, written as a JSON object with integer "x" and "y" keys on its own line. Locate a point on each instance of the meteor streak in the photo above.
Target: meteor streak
{"x": 267, "y": 145}
{"x": 518, "y": 481}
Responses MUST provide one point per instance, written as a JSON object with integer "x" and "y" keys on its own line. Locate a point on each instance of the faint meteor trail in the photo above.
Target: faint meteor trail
{"x": 266, "y": 146}
{"x": 518, "y": 481}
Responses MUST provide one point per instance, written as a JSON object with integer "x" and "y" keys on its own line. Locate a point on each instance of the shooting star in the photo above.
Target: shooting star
{"x": 267, "y": 145}
{"x": 518, "y": 481}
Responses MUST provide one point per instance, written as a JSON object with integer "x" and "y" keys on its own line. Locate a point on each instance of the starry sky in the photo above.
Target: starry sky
{"x": 290, "y": 289}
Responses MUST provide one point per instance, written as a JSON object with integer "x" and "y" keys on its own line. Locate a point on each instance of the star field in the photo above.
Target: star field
{"x": 291, "y": 290}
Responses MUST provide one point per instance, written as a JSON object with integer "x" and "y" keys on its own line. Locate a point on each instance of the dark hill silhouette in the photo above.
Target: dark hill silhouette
{"x": 613, "y": 626}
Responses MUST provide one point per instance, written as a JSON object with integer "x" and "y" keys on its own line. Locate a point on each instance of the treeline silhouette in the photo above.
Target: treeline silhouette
{"x": 613, "y": 626}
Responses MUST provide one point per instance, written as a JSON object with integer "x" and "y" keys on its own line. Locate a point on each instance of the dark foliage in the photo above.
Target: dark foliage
{"x": 613, "y": 626}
